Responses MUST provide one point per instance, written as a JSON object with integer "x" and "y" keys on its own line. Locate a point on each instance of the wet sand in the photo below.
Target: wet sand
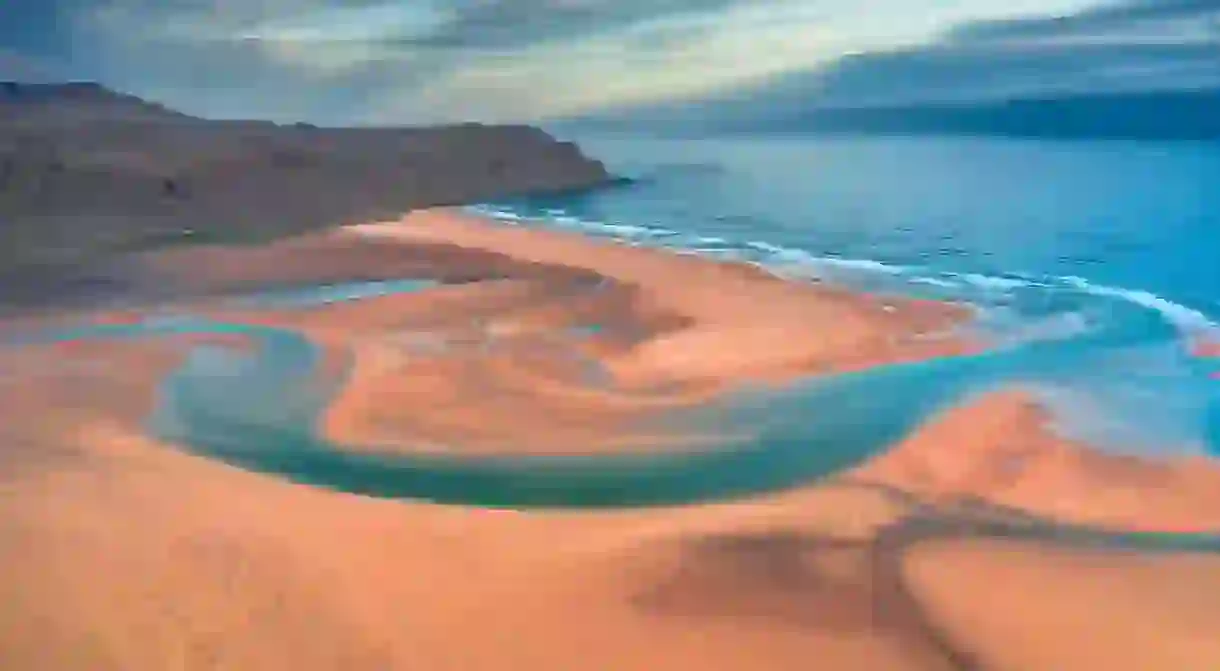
{"x": 121, "y": 552}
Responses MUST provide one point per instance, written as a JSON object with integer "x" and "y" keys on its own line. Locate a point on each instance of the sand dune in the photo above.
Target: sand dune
{"x": 1047, "y": 608}
{"x": 1001, "y": 449}
{"x": 121, "y": 552}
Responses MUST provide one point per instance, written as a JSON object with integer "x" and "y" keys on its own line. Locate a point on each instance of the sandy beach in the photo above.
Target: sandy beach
{"x": 122, "y": 551}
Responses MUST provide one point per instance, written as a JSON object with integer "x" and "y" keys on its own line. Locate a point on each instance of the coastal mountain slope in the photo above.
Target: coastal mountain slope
{"x": 42, "y": 104}
{"x": 87, "y": 173}
{"x": 1132, "y": 115}
{"x": 1170, "y": 115}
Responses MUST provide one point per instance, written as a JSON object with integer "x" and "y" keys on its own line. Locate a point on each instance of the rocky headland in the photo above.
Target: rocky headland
{"x": 87, "y": 174}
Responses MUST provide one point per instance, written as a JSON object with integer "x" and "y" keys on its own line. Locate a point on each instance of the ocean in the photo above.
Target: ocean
{"x": 1101, "y": 251}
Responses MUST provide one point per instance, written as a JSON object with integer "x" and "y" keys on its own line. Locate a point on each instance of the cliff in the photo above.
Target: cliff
{"x": 86, "y": 173}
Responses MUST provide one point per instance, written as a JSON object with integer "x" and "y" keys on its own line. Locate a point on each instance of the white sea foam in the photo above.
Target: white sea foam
{"x": 866, "y": 265}
{"x": 764, "y": 246}
{"x": 629, "y": 231}
{"x": 502, "y": 215}
{"x": 936, "y": 282}
{"x": 991, "y": 281}
{"x": 1189, "y": 322}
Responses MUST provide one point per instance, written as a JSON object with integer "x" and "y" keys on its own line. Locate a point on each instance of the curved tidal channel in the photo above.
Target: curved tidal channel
{"x": 257, "y": 408}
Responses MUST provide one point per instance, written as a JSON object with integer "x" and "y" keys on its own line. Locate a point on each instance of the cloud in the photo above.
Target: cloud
{"x": 1131, "y": 45}
{"x": 413, "y": 61}
{"x": 968, "y": 73}
{"x": 427, "y": 60}
{"x": 16, "y": 67}
{"x": 643, "y": 61}
{"x": 506, "y": 24}
{"x": 416, "y": 61}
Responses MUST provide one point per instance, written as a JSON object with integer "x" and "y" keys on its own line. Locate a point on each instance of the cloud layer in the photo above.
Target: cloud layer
{"x": 1173, "y": 20}
{"x": 18, "y": 67}
{"x": 1121, "y": 46}
{"x": 1136, "y": 45}
{"x": 412, "y": 61}
{"x": 388, "y": 60}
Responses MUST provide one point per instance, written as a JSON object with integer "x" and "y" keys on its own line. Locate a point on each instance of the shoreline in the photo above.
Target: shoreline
{"x": 398, "y": 401}
{"x": 675, "y": 331}
{"x": 634, "y": 328}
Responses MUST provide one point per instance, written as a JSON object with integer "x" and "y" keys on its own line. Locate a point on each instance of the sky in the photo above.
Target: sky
{"x": 422, "y": 61}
